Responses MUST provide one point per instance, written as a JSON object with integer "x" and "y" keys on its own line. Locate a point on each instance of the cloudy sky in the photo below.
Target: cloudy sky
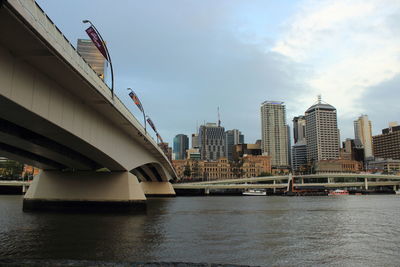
{"x": 186, "y": 58}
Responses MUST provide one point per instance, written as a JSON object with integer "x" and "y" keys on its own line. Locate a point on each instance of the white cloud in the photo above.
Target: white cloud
{"x": 351, "y": 45}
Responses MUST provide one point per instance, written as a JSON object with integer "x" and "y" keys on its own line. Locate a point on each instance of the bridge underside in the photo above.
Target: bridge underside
{"x": 55, "y": 116}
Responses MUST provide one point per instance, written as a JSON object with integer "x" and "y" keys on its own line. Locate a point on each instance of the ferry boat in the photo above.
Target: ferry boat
{"x": 338, "y": 192}
{"x": 255, "y": 192}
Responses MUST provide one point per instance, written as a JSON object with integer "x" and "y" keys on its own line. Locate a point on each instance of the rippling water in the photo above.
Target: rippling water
{"x": 278, "y": 231}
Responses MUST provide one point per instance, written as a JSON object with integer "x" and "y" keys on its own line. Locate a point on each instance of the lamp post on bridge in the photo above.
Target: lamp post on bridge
{"x": 99, "y": 42}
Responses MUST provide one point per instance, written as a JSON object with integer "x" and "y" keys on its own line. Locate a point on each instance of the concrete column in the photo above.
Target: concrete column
{"x": 158, "y": 189}
{"x": 76, "y": 191}
{"x": 366, "y": 183}
{"x": 274, "y": 182}
{"x": 302, "y": 180}
{"x": 207, "y": 191}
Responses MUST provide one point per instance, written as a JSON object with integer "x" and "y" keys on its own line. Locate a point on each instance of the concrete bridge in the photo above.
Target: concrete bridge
{"x": 58, "y": 115}
{"x": 330, "y": 180}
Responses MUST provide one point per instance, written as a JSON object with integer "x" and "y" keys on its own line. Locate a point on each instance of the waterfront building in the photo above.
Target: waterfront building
{"x": 363, "y": 134}
{"x": 274, "y": 136}
{"x": 387, "y": 144}
{"x": 181, "y": 144}
{"x": 92, "y": 56}
{"x": 385, "y": 166}
{"x": 337, "y": 166}
{"x": 232, "y": 138}
{"x": 352, "y": 150}
{"x": 250, "y": 166}
{"x": 211, "y": 141}
{"x": 322, "y": 133}
{"x": 299, "y": 157}
{"x": 240, "y": 150}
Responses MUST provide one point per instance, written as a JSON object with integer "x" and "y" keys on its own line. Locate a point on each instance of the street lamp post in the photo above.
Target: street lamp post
{"x": 108, "y": 55}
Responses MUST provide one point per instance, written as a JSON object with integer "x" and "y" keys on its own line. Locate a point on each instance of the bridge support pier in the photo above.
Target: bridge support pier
{"x": 366, "y": 183}
{"x": 85, "y": 191}
{"x": 158, "y": 189}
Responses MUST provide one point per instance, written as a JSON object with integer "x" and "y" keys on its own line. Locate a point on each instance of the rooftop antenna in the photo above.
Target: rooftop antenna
{"x": 319, "y": 99}
{"x": 219, "y": 121}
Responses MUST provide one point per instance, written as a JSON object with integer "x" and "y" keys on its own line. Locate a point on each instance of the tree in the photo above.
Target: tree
{"x": 263, "y": 174}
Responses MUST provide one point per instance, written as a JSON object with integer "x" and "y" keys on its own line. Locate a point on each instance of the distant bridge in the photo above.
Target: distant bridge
{"x": 58, "y": 115}
{"x": 329, "y": 180}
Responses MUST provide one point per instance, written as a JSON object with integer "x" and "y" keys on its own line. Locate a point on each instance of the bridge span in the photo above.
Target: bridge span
{"x": 330, "y": 180}
{"x": 58, "y": 115}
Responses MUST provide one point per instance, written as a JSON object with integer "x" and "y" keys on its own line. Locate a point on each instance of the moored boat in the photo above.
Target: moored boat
{"x": 255, "y": 192}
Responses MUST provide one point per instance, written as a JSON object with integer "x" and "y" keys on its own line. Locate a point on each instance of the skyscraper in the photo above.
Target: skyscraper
{"x": 299, "y": 149}
{"x": 322, "y": 133}
{"x": 363, "y": 134}
{"x": 232, "y": 137}
{"x": 181, "y": 144}
{"x": 274, "y": 138}
{"x": 387, "y": 144}
{"x": 299, "y": 129}
{"x": 92, "y": 55}
{"x": 195, "y": 140}
{"x": 211, "y": 141}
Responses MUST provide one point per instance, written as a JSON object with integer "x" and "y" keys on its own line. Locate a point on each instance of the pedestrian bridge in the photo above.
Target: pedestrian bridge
{"x": 58, "y": 115}
{"x": 329, "y": 180}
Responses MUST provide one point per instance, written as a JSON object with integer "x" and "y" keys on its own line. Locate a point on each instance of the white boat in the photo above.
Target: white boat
{"x": 397, "y": 192}
{"x": 255, "y": 192}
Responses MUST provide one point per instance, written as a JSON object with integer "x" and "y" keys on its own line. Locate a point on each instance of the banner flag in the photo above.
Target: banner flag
{"x": 136, "y": 100}
{"x": 97, "y": 41}
{"x": 150, "y": 122}
{"x": 159, "y": 137}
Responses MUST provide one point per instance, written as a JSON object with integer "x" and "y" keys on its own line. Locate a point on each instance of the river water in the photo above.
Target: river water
{"x": 277, "y": 231}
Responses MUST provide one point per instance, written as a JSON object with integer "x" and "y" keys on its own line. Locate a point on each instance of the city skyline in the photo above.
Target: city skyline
{"x": 231, "y": 57}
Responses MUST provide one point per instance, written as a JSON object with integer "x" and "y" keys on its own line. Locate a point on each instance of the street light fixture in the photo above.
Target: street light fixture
{"x": 108, "y": 58}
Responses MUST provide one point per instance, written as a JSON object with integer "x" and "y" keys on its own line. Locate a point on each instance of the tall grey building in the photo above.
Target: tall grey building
{"x": 211, "y": 141}
{"x": 92, "y": 56}
{"x": 181, "y": 144}
{"x": 363, "y": 134}
{"x": 232, "y": 137}
{"x": 274, "y": 138}
{"x": 299, "y": 149}
{"x": 299, "y": 129}
{"x": 195, "y": 140}
{"x": 322, "y": 133}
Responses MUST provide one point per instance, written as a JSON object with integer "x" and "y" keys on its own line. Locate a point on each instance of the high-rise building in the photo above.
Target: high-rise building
{"x": 363, "y": 134}
{"x": 195, "y": 140}
{"x": 181, "y": 144}
{"x": 289, "y": 146}
{"x": 322, "y": 133}
{"x": 299, "y": 149}
{"x": 211, "y": 141}
{"x": 92, "y": 56}
{"x": 299, "y": 129}
{"x": 274, "y": 138}
{"x": 232, "y": 137}
{"x": 387, "y": 144}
